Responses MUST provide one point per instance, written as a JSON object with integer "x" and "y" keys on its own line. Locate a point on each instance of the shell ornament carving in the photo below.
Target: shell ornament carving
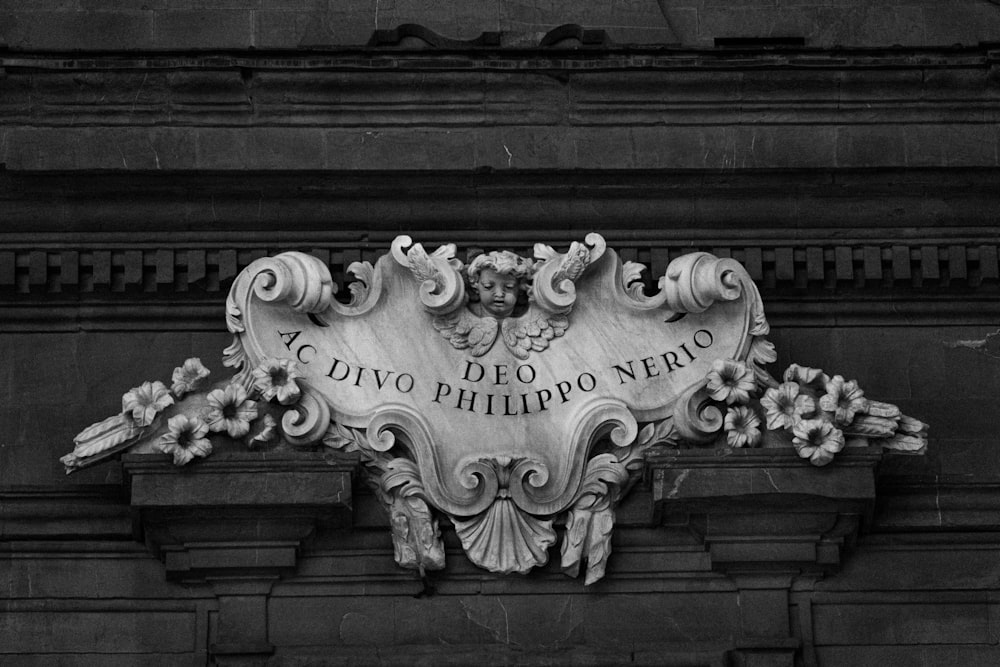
{"x": 549, "y": 426}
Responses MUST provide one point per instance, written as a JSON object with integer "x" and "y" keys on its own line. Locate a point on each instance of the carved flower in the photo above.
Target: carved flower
{"x": 268, "y": 426}
{"x": 784, "y": 406}
{"x": 844, "y": 399}
{"x": 730, "y": 381}
{"x": 230, "y": 411}
{"x": 185, "y": 439}
{"x": 817, "y": 440}
{"x": 742, "y": 427}
{"x": 146, "y": 401}
{"x": 275, "y": 378}
{"x": 809, "y": 377}
{"x": 187, "y": 377}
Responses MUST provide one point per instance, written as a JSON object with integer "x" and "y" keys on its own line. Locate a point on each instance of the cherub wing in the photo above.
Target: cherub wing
{"x": 465, "y": 330}
{"x": 532, "y": 331}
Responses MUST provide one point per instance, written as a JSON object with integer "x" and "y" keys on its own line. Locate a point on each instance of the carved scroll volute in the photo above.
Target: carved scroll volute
{"x": 474, "y": 484}
{"x": 695, "y": 281}
{"x": 553, "y": 288}
{"x": 696, "y": 417}
{"x": 442, "y": 288}
{"x": 598, "y": 418}
{"x": 300, "y": 280}
{"x": 309, "y": 419}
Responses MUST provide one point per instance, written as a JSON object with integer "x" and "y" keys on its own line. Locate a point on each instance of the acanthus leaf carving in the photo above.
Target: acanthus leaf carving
{"x": 396, "y": 481}
{"x": 591, "y": 519}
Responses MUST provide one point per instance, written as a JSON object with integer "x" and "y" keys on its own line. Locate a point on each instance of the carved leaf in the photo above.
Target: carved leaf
{"x": 645, "y": 435}
{"x": 416, "y": 538}
{"x": 401, "y": 476}
{"x": 911, "y": 426}
{"x": 908, "y": 444}
{"x": 234, "y": 316}
{"x": 632, "y": 278}
{"x": 544, "y": 252}
{"x": 573, "y": 263}
{"x": 337, "y": 437}
{"x": 880, "y": 409}
{"x": 590, "y": 522}
{"x": 421, "y": 265}
{"x": 588, "y": 534}
{"x": 105, "y": 434}
{"x": 445, "y": 252}
{"x": 665, "y": 432}
{"x": 870, "y": 426}
{"x": 762, "y": 352}
{"x": 365, "y": 274}
{"x": 235, "y": 356}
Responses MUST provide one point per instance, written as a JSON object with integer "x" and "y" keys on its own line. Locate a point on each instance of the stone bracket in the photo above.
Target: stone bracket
{"x": 765, "y": 517}
{"x": 767, "y": 509}
{"x": 237, "y": 514}
{"x": 237, "y": 522}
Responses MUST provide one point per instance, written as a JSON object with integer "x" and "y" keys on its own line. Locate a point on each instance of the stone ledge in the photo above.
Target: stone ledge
{"x": 77, "y": 513}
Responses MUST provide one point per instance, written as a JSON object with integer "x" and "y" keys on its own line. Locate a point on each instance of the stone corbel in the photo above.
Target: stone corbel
{"x": 766, "y": 517}
{"x": 765, "y": 509}
{"x": 237, "y": 522}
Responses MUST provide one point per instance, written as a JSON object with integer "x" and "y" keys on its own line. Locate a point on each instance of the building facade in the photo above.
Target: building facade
{"x": 844, "y": 152}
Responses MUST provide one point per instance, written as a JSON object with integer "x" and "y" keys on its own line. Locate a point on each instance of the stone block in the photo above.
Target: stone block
{"x": 71, "y": 30}
{"x": 203, "y": 88}
{"x": 939, "y": 656}
{"x": 967, "y": 24}
{"x": 934, "y": 621}
{"x": 288, "y": 147}
{"x": 82, "y": 631}
{"x": 743, "y": 21}
{"x": 203, "y": 29}
{"x": 867, "y": 25}
{"x": 870, "y": 146}
{"x": 628, "y": 22}
{"x": 130, "y": 573}
{"x": 40, "y": 5}
{"x": 223, "y": 148}
{"x": 400, "y": 149}
{"x": 331, "y": 621}
{"x": 881, "y": 85}
{"x": 326, "y": 26}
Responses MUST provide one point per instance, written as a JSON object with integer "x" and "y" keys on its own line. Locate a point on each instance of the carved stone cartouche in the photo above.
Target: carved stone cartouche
{"x": 592, "y": 378}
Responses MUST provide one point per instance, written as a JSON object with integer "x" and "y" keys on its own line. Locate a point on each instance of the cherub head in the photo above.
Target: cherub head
{"x": 497, "y": 279}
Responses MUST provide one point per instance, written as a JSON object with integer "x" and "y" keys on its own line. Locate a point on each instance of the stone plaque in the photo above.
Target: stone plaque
{"x": 497, "y": 380}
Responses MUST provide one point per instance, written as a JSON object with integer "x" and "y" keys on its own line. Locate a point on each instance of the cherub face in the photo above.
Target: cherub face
{"x": 497, "y": 292}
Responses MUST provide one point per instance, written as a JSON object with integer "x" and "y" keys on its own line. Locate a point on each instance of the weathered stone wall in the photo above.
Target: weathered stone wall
{"x": 296, "y": 24}
{"x": 859, "y": 186}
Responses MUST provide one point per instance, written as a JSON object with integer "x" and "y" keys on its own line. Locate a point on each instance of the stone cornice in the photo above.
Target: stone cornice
{"x": 372, "y": 110}
{"x": 575, "y": 89}
{"x": 488, "y": 56}
{"x": 106, "y": 280}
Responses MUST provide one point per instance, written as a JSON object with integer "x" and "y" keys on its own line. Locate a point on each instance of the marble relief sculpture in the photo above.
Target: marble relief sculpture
{"x": 549, "y": 427}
